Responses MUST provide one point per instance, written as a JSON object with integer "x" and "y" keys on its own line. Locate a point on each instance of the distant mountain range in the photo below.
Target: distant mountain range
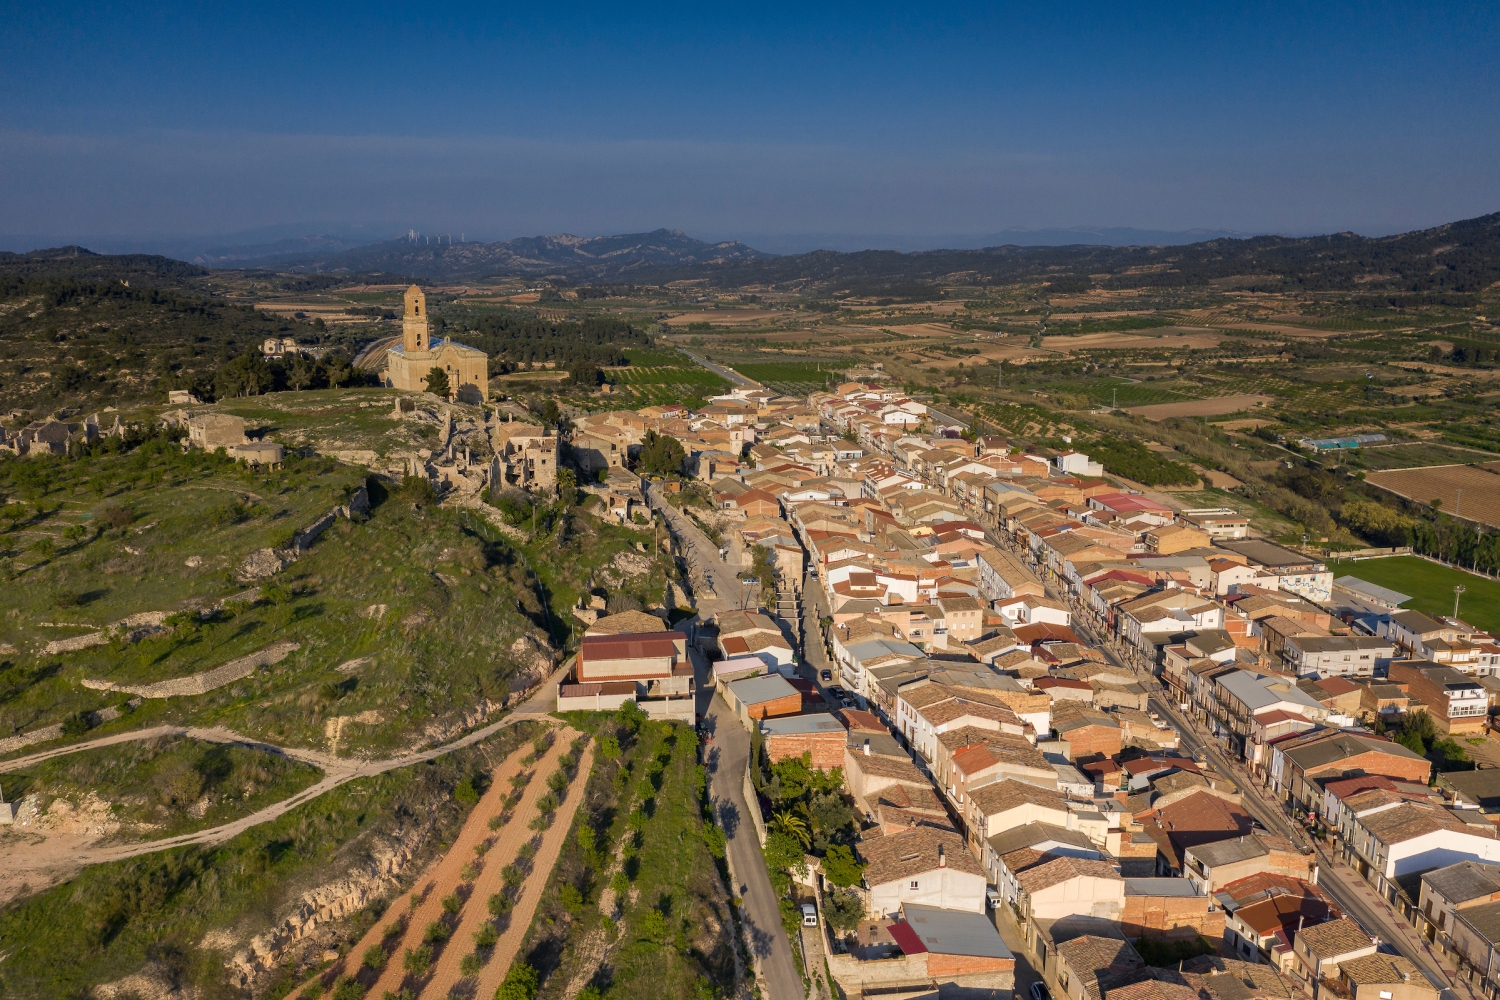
{"x": 1459, "y": 257}
{"x": 796, "y": 243}
{"x": 577, "y": 257}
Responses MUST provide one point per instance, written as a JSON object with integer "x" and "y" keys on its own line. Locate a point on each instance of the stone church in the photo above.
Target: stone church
{"x": 408, "y": 364}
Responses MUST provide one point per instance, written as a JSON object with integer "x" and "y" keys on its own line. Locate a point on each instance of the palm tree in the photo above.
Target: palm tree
{"x": 794, "y": 826}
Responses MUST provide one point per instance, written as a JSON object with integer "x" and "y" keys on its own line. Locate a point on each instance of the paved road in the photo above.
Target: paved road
{"x": 373, "y": 356}
{"x": 727, "y": 756}
{"x": 702, "y": 555}
{"x": 728, "y": 373}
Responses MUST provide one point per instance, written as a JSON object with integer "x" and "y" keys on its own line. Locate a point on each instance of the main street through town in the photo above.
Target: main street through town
{"x": 726, "y": 757}
{"x": 1341, "y": 883}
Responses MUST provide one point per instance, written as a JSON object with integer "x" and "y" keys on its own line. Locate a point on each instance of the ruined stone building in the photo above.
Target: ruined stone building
{"x": 212, "y": 431}
{"x": 408, "y": 363}
{"x": 525, "y": 456}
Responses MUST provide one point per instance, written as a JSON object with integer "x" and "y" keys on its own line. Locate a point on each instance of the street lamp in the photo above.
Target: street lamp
{"x": 1458, "y": 590}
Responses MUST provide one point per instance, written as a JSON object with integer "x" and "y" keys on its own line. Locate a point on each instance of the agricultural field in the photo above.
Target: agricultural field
{"x": 1430, "y": 586}
{"x": 1263, "y": 519}
{"x": 1461, "y": 490}
{"x": 657, "y": 385}
{"x": 792, "y": 378}
{"x": 1215, "y": 406}
{"x": 638, "y": 905}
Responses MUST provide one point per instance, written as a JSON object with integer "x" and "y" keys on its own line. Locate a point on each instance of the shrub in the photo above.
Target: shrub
{"x": 500, "y": 904}
{"x": 547, "y": 804}
{"x": 465, "y": 793}
{"x": 347, "y": 988}
{"x": 526, "y": 851}
{"x": 312, "y": 991}
{"x": 468, "y": 872}
{"x": 375, "y": 957}
{"x": 558, "y": 780}
{"x": 496, "y": 822}
{"x": 452, "y": 903}
{"x": 511, "y": 876}
{"x": 486, "y": 936}
{"x": 405, "y": 993}
{"x": 483, "y": 847}
{"x": 521, "y": 983}
{"x": 541, "y": 742}
{"x": 417, "y": 960}
{"x": 471, "y": 964}
{"x": 437, "y": 932}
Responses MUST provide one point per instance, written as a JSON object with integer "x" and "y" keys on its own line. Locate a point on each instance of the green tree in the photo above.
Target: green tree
{"x": 521, "y": 983}
{"x": 793, "y": 825}
{"x": 842, "y": 910}
{"x": 585, "y": 373}
{"x": 437, "y": 381}
{"x": 784, "y": 855}
{"x": 661, "y": 454}
{"x": 567, "y": 487}
{"x": 841, "y": 867}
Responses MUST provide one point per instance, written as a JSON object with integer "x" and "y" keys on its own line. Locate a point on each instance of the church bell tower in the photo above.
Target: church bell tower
{"x": 414, "y": 327}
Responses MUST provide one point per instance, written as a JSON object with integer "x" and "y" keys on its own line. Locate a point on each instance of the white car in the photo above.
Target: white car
{"x": 809, "y": 915}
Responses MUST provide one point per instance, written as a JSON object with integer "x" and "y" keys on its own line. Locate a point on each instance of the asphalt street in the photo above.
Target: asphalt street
{"x": 727, "y": 755}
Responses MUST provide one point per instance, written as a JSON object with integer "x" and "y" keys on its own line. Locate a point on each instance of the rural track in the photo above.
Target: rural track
{"x": 21, "y": 863}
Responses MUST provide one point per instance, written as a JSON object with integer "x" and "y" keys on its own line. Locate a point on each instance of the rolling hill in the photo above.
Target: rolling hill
{"x": 567, "y": 256}
{"x": 1458, "y": 257}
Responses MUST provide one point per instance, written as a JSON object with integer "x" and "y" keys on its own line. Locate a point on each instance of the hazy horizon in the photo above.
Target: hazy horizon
{"x": 167, "y": 122}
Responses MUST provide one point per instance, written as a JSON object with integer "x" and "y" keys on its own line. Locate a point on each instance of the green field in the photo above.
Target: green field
{"x": 1431, "y": 587}
{"x": 792, "y": 378}
{"x": 657, "y": 385}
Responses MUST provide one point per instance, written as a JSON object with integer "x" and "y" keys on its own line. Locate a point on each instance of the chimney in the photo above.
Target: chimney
{"x": 942, "y": 857}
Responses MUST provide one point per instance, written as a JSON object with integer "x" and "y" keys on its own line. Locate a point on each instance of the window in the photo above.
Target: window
{"x": 915, "y": 884}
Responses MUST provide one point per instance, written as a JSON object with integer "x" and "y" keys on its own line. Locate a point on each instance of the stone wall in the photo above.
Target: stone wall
{"x": 206, "y": 681}
{"x": 1174, "y": 918}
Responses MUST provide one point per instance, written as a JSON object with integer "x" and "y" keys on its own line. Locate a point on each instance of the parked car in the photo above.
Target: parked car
{"x": 1039, "y": 992}
{"x": 827, "y": 675}
{"x": 809, "y": 915}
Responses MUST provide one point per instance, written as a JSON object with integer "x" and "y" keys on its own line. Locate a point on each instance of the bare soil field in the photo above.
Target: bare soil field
{"x": 729, "y": 317}
{"x": 1202, "y": 407}
{"x": 1281, "y": 327}
{"x": 1480, "y": 488}
{"x": 1168, "y": 338}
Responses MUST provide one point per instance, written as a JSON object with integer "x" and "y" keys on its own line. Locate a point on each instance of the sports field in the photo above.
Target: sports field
{"x": 1431, "y": 587}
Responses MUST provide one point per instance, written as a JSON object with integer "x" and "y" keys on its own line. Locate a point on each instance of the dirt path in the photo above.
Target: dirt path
{"x": 443, "y": 879}
{"x": 36, "y": 864}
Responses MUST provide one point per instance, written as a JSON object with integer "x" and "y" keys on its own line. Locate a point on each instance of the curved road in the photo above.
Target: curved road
{"x": 18, "y": 861}
{"x": 728, "y": 373}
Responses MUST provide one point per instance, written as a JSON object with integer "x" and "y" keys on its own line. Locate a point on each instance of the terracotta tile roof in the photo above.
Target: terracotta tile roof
{"x": 903, "y": 855}
{"x": 1283, "y": 913}
{"x": 1003, "y": 796}
{"x": 1090, "y": 955}
{"x": 1372, "y": 969}
{"x": 1244, "y": 890}
{"x": 1060, "y": 870}
{"x": 1409, "y": 820}
{"x": 1336, "y": 937}
{"x": 880, "y": 766}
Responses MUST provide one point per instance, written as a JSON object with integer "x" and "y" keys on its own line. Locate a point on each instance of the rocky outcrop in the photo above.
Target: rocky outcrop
{"x": 327, "y": 903}
{"x": 206, "y": 681}
{"x": 132, "y": 628}
{"x": 264, "y": 563}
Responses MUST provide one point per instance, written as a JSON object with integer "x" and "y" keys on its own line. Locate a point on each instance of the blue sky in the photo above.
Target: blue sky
{"x": 137, "y": 120}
